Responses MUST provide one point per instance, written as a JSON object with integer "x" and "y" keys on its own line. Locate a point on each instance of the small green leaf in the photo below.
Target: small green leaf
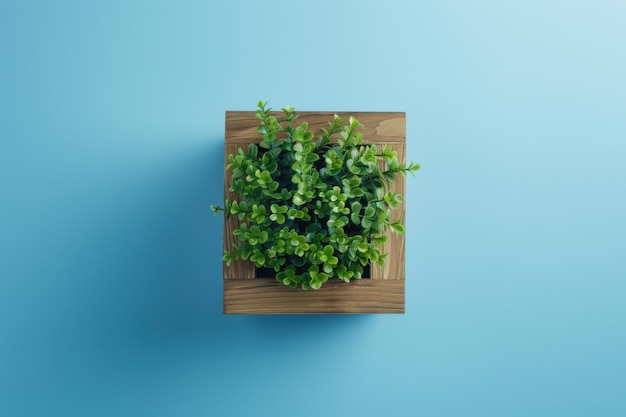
{"x": 298, "y": 200}
{"x": 366, "y": 223}
{"x": 397, "y": 227}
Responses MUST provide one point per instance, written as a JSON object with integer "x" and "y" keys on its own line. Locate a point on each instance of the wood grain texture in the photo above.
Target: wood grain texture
{"x": 238, "y": 268}
{"x": 378, "y": 127}
{"x": 383, "y": 293}
{"x": 394, "y": 246}
{"x": 267, "y": 296}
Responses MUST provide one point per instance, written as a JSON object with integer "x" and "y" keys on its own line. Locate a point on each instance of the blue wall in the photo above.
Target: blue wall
{"x": 112, "y": 118}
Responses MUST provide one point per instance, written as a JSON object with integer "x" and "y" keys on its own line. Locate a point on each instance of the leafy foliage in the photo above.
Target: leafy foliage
{"x": 311, "y": 208}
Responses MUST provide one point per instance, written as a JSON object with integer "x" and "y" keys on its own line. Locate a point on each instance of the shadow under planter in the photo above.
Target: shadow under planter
{"x": 383, "y": 292}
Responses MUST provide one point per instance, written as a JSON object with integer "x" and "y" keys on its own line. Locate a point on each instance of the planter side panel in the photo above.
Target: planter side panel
{"x": 266, "y": 296}
{"x": 394, "y": 246}
{"x": 239, "y": 268}
{"x": 380, "y": 127}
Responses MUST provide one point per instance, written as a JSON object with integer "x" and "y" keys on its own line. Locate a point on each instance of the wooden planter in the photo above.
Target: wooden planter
{"x": 382, "y": 293}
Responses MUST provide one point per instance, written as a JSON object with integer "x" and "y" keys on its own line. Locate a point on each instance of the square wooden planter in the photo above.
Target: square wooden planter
{"x": 383, "y": 292}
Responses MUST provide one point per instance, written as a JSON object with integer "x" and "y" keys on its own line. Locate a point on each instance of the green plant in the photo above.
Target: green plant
{"x": 311, "y": 208}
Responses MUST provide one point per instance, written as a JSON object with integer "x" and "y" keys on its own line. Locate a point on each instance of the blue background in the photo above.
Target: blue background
{"x": 111, "y": 124}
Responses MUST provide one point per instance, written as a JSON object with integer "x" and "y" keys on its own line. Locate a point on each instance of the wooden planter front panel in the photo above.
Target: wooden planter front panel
{"x": 382, "y": 293}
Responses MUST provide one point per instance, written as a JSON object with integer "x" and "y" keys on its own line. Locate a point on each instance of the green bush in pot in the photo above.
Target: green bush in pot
{"x": 312, "y": 209}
